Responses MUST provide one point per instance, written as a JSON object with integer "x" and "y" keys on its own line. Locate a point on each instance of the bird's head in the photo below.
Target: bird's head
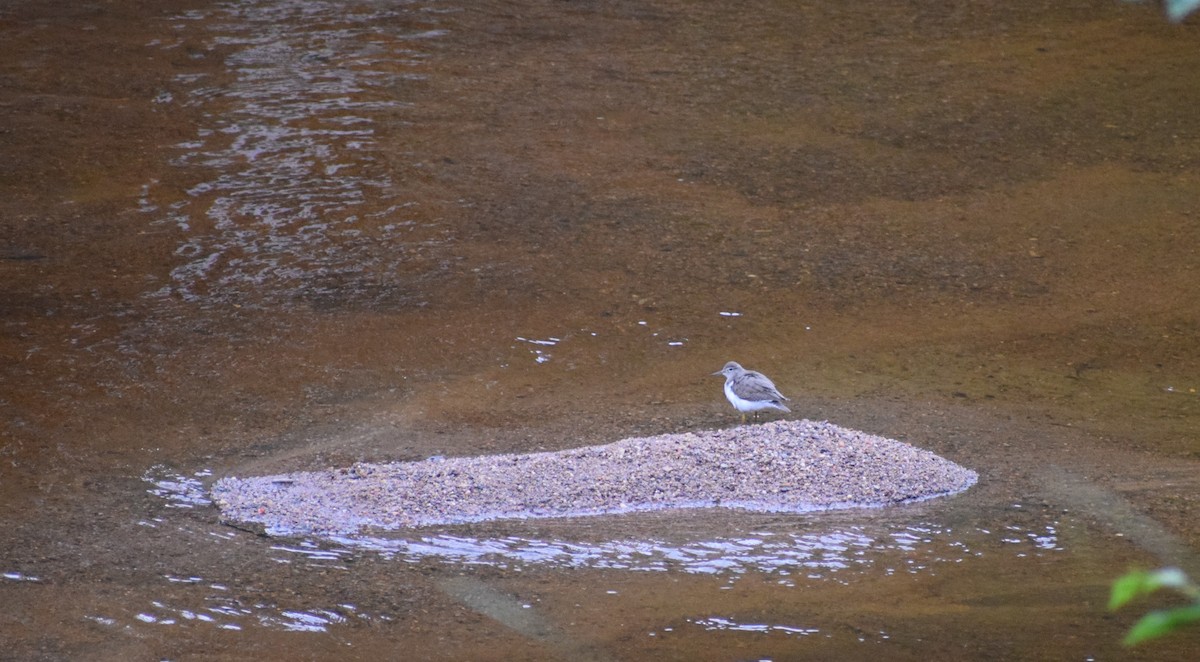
{"x": 730, "y": 369}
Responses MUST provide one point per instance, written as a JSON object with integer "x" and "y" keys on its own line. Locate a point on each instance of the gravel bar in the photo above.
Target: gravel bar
{"x": 783, "y": 466}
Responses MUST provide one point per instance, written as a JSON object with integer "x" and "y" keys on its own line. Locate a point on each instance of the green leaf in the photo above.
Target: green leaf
{"x": 1157, "y": 623}
{"x": 1126, "y": 588}
{"x": 1139, "y": 582}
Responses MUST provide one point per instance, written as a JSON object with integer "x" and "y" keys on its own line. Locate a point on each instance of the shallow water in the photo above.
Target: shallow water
{"x": 260, "y": 236}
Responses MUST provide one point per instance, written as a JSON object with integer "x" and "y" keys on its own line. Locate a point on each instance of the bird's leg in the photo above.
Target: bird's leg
{"x": 743, "y": 418}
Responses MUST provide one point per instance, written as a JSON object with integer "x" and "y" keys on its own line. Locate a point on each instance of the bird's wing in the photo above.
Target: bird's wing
{"x": 756, "y": 386}
{"x": 772, "y": 385}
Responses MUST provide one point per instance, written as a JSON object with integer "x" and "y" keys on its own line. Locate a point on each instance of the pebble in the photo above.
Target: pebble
{"x": 782, "y": 466}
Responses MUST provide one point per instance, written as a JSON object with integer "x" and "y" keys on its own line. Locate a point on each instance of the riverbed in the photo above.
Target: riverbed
{"x": 267, "y": 236}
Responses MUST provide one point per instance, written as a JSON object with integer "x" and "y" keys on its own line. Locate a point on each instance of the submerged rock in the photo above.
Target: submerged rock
{"x": 785, "y": 466}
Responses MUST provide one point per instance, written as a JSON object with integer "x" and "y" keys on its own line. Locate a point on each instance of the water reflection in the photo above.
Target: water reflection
{"x": 177, "y": 490}
{"x": 228, "y": 613}
{"x": 20, "y": 577}
{"x": 794, "y": 551}
{"x": 574, "y": 342}
{"x": 818, "y": 551}
{"x": 727, "y": 624}
{"x": 540, "y": 355}
{"x": 789, "y": 555}
{"x": 298, "y": 191}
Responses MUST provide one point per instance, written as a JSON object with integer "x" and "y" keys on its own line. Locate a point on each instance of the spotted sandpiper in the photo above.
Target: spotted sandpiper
{"x": 748, "y": 390}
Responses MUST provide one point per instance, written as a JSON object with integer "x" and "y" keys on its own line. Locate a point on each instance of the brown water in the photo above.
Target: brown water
{"x": 267, "y": 235}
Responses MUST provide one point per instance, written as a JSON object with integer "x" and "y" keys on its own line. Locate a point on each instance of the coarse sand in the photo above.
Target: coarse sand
{"x": 784, "y": 466}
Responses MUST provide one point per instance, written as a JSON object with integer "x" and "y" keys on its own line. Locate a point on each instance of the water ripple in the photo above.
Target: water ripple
{"x": 296, "y": 177}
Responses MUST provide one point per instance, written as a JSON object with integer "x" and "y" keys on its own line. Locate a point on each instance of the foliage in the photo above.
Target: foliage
{"x": 1156, "y": 623}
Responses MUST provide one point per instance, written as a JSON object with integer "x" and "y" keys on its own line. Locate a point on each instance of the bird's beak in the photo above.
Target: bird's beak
{"x": 719, "y": 372}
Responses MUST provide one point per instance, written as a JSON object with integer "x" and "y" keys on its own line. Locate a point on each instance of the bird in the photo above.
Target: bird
{"x": 750, "y": 391}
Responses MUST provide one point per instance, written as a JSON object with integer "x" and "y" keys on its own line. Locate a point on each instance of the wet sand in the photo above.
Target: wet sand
{"x": 796, "y": 467}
